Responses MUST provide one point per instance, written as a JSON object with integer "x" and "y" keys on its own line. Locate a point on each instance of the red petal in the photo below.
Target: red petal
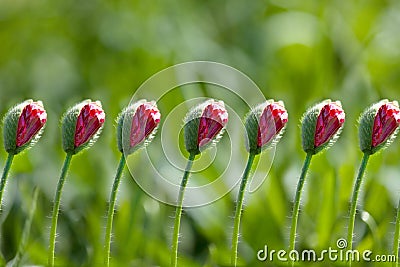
{"x": 144, "y": 121}
{"x": 272, "y": 120}
{"x": 33, "y": 117}
{"x": 386, "y": 122}
{"x": 212, "y": 120}
{"x": 89, "y": 121}
{"x": 329, "y": 121}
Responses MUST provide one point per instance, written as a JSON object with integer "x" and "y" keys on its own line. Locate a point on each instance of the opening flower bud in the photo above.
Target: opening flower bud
{"x": 204, "y": 124}
{"x": 329, "y": 121}
{"x": 23, "y": 125}
{"x": 321, "y": 126}
{"x": 264, "y": 125}
{"x": 89, "y": 121}
{"x": 137, "y": 125}
{"x": 379, "y": 125}
{"x": 81, "y": 126}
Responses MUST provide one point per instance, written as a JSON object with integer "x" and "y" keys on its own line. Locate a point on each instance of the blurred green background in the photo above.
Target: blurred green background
{"x": 301, "y": 52}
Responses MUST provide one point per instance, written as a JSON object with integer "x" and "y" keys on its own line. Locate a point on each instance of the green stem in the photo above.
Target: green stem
{"x": 354, "y": 200}
{"x": 396, "y": 237}
{"x": 296, "y": 207}
{"x": 238, "y": 212}
{"x": 110, "y": 215}
{"x": 54, "y": 218}
{"x": 178, "y": 211}
{"x": 3, "y": 181}
{"x": 27, "y": 229}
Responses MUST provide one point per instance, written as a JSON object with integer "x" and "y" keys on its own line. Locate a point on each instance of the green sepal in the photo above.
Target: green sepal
{"x": 191, "y": 130}
{"x": 251, "y": 125}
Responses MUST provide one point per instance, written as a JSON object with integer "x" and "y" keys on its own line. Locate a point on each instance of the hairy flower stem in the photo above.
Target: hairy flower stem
{"x": 238, "y": 212}
{"x": 27, "y": 229}
{"x": 54, "y": 218}
{"x": 396, "y": 237}
{"x": 178, "y": 211}
{"x": 296, "y": 207}
{"x": 354, "y": 200}
{"x": 3, "y": 181}
{"x": 111, "y": 206}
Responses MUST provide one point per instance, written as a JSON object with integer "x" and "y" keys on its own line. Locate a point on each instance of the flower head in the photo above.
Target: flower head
{"x": 23, "y": 125}
{"x": 89, "y": 121}
{"x": 386, "y": 121}
{"x": 81, "y": 125}
{"x": 321, "y": 126}
{"x": 264, "y": 125}
{"x": 137, "y": 125}
{"x": 213, "y": 119}
{"x": 330, "y": 119}
{"x": 379, "y": 125}
{"x": 204, "y": 124}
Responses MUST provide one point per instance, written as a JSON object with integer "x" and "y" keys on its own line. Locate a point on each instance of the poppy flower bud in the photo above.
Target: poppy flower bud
{"x": 137, "y": 125}
{"x": 264, "y": 125}
{"x": 321, "y": 126}
{"x": 23, "y": 125}
{"x": 204, "y": 124}
{"x": 379, "y": 125}
{"x": 81, "y": 126}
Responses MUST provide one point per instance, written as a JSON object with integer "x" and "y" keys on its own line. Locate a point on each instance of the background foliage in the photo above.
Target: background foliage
{"x": 297, "y": 51}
